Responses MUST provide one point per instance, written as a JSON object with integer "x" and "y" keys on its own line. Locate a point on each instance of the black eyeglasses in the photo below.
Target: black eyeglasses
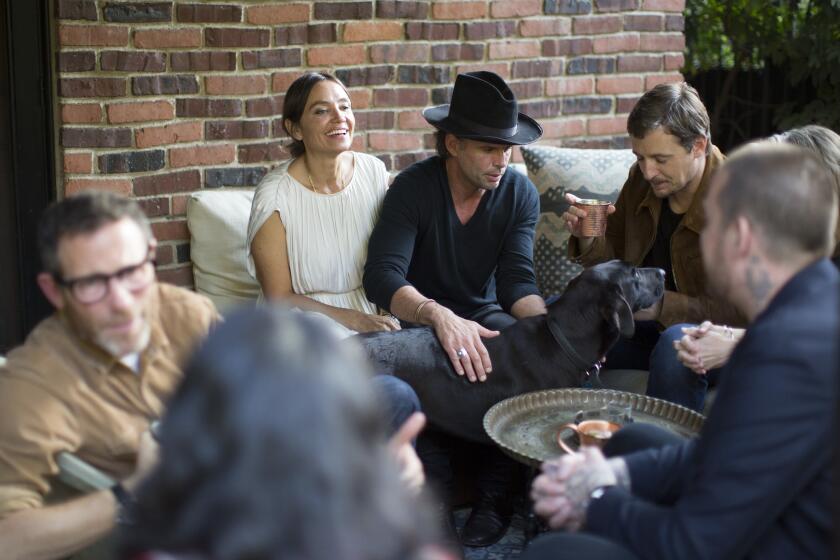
{"x": 94, "y": 288}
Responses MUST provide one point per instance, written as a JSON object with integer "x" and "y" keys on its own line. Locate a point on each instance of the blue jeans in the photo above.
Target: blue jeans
{"x": 654, "y": 351}
{"x": 399, "y": 399}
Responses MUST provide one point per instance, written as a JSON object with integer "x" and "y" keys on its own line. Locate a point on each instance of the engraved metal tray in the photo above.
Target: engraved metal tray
{"x": 526, "y": 426}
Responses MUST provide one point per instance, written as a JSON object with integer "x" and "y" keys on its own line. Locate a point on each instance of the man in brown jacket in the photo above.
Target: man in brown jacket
{"x": 656, "y": 222}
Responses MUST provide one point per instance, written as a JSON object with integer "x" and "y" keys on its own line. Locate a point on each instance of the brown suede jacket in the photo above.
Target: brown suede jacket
{"x": 631, "y": 230}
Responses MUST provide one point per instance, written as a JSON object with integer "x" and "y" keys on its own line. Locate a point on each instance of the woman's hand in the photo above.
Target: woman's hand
{"x": 363, "y": 322}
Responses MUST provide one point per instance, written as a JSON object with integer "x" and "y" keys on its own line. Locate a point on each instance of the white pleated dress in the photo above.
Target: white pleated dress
{"x": 326, "y": 234}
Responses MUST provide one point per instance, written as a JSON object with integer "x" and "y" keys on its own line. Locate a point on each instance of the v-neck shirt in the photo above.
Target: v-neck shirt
{"x": 419, "y": 240}
{"x": 659, "y": 255}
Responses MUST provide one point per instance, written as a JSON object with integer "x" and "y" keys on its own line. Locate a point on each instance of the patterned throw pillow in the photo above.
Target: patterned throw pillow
{"x": 556, "y": 171}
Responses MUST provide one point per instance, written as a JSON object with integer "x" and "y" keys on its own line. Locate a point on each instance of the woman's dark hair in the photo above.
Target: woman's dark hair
{"x": 274, "y": 447}
{"x": 295, "y": 102}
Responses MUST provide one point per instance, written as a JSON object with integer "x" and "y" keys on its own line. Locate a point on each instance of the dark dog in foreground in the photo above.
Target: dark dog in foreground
{"x": 543, "y": 352}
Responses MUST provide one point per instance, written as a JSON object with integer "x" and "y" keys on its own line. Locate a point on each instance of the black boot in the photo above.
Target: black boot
{"x": 489, "y": 520}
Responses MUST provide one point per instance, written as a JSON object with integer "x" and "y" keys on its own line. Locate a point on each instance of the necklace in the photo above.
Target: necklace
{"x": 341, "y": 182}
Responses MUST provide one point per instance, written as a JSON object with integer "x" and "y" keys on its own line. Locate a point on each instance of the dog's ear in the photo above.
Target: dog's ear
{"x": 617, "y": 312}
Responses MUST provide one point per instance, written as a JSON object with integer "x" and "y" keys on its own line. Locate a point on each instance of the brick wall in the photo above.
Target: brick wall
{"x": 157, "y": 99}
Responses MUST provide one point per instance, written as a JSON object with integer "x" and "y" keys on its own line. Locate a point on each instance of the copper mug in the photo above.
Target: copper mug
{"x": 595, "y": 222}
{"x": 589, "y": 432}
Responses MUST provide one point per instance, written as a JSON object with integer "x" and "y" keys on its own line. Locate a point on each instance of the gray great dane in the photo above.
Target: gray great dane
{"x": 544, "y": 352}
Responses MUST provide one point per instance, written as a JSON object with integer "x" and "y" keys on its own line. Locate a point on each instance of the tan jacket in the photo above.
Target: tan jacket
{"x": 61, "y": 393}
{"x": 631, "y": 230}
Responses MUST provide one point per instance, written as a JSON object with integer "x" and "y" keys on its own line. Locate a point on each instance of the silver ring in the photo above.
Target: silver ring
{"x": 461, "y": 353}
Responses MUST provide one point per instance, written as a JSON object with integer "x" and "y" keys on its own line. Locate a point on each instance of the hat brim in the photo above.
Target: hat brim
{"x": 527, "y": 131}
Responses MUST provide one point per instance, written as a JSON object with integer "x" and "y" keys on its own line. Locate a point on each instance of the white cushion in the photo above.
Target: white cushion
{"x": 586, "y": 173}
{"x": 218, "y": 222}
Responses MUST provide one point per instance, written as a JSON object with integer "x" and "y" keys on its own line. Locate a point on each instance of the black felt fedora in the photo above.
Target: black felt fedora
{"x": 484, "y": 108}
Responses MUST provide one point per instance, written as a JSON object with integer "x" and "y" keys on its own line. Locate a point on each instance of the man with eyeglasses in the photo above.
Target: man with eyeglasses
{"x": 90, "y": 378}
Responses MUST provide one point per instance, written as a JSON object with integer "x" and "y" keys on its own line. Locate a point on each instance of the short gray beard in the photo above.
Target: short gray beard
{"x": 118, "y": 352}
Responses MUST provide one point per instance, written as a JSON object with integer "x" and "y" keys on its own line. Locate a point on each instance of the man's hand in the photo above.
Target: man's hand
{"x": 411, "y": 469}
{"x": 461, "y": 339}
{"x": 147, "y": 459}
{"x": 650, "y": 313}
{"x": 561, "y": 493}
{"x": 572, "y": 216}
{"x": 707, "y": 346}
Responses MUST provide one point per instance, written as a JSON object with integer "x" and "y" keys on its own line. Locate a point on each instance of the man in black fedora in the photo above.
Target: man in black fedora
{"x": 453, "y": 250}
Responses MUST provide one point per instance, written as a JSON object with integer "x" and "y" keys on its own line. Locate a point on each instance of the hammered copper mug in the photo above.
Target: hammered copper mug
{"x": 595, "y": 222}
{"x": 589, "y": 432}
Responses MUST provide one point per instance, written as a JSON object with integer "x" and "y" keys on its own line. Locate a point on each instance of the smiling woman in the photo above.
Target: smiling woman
{"x": 312, "y": 216}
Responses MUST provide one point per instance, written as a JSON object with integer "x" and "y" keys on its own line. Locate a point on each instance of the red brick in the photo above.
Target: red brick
{"x": 374, "y": 120}
{"x": 91, "y": 87}
{"x": 424, "y": 30}
{"x": 656, "y": 79}
{"x": 202, "y": 60}
{"x": 169, "y": 134}
{"x": 264, "y": 106}
{"x": 155, "y": 208}
{"x": 132, "y": 61}
{"x": 400, "y": 97}
{"x": 181, "y": 276}
{"x": 643, "y": 22}
{"x": 203, "y": 107}
{"x": 545, "y": 27}
{"x": 402, "y": 9}
{"x": 76, "y": 9}
{"x": 280, "y": 13}
{"x": 516, "y": 8}
{"x": 601, "y": 126}
{"x": 78, "y": 163}
{"x": 119, "y": 186}
{"x": 268, "y": 151}
{"x": 95, "y": 137}
{"x": 164, "y": 254}
{"x": 81, "y": 113}
{"x": 343, "y": 11}
{"x": 379, "y": 30}
{"x": 619, "y": 84}
{"x": 393, "y": 141}
{"x": 444, "y": 52}
{"x": 500, "y": 68}
{"x": 628, "y": 42}
{"x": 93, "y": 35}
{"x": 198, "y": 13}
{"x": 480, "y": 30}
{"x": 663, "y": 5}
{"x": 139, "y": 112}
{"x": 591, "y": 25}
{"x": 563, "y": 127}
{"x": 76, "y": 61}
{"x": 674, "y": 61}
{"x": 234, "y": 129}
{"x": 463, "y": 11}
{"x": 201, "y": 155}
{"x": 332, "y": 56}
{"x": 412, "y": 120}
{"x": 662, "y": 42}
{"x": 565, "y": 47}
{"x": 270, "y": 58}
{"x": 236, "y": 37}
{"x": 165, "y": 183}
{"x": 172, "y": 230}
{"x": 514, "y": 49}
{"x": 616, "y": 5}
{"x": 626, "y": 104}
{"x": 400, "y": 52}
{"x": 167, "y": 38}
{"x": 639, "y": 63}
{"x": 360, "y": 98}
{"x": 179, "y": 205}
{"x": 557, "y": 87}
{"x": 235, "y": 85}
{"x": 280, "y": 81}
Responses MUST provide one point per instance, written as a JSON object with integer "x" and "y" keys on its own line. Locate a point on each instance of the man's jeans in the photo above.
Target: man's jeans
{"x": 399, "y": 399}
{"x": 654, "y": 351}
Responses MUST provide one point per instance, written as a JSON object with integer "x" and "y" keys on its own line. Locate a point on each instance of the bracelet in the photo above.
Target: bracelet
{"x": 420, "y": 308}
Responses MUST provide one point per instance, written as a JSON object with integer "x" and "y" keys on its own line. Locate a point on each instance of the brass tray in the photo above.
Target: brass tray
{"x": 526, "y": 426}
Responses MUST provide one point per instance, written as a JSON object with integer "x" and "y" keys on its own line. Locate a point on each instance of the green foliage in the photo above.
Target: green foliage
{"x": 800, "y": 36}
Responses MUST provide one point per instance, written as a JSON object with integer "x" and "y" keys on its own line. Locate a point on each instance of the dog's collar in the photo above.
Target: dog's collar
{"x": 579, "y": 363}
